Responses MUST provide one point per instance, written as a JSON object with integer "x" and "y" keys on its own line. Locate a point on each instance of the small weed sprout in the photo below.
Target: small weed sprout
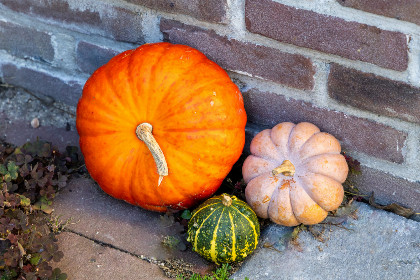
{"x": 57, "y": 225}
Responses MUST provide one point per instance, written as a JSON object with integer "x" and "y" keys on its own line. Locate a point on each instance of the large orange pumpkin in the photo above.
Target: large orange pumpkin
{"x": 160, "y": 126}
{"x": 294, "y": 174}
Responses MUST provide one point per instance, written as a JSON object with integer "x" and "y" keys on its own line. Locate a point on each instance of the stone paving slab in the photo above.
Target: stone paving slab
{"x": 100, "y": 217}
{"x": 378, "y": 245}
{"x": 86, "y": 260}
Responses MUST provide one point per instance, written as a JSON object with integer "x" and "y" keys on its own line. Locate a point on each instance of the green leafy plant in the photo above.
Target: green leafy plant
{"x": 9, "y": 172}
{"x": 30, "y": 177}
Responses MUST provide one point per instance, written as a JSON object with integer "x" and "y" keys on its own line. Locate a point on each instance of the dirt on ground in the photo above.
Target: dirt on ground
{"x": 19, "y": 104}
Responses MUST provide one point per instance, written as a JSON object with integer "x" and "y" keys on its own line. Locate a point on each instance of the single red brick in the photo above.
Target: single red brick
{"x": 387, "y": 188}
{"x": 114, "y": 22}
{"x": 90, "y": 57}
{"x": 407, "y": 10}
{"x": 65, "y": 91}
{"x": 26, "y": 42}
{"x": 327, "y": 34}
{"x": 290, "y": 69}
{"x": 355, "y": 134}
{"x": 209, "y": 10}
{"x": 54, "y": 9}
{"x": 373, "y": 93}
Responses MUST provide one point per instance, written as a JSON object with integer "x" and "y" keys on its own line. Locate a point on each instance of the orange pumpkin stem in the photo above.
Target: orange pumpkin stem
{"x": 144, "y": 133}
{"x": 286, "y": 168}
{"x": 226, "y": 200}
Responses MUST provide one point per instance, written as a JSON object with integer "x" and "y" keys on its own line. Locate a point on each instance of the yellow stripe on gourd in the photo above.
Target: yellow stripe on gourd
{"x": 205, "y": 207}
{"x": 213, "y": 241}
{"x": 233, "y": 238}
{"x": 199, "y": 228}
{"x": 251, "y": 223}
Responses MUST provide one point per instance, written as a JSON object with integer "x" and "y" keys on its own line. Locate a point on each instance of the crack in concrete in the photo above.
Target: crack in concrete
{"x": 172, "y": 267}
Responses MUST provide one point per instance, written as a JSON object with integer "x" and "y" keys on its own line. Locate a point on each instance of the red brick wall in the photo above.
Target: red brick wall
{"x": 351, "y": 67}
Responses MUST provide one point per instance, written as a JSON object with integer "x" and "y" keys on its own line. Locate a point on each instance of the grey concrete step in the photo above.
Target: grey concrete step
{"x": 378, "y": 245}
{"x": 86, "y": 260}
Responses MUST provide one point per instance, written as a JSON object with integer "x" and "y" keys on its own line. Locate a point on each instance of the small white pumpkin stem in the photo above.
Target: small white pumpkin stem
{"x": 226, "y": 200}
{"x": 286, "y": 168}
{"x": 144, "y": 133}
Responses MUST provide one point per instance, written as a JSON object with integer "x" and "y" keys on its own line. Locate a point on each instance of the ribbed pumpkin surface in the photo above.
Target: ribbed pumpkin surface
{"x": 310, "y": 184}
{"x": 221, "y": 233}
{"x": 198, "y": 120}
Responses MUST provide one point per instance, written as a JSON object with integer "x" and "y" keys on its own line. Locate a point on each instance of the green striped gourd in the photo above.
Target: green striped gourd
{"x": 224, "y": 229}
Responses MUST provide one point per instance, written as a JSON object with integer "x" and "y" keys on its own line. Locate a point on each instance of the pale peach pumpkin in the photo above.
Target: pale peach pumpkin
{"x": 294, "y": 174}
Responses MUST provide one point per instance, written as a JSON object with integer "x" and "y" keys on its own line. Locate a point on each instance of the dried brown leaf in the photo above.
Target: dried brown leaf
{"x": 393, "y": 207}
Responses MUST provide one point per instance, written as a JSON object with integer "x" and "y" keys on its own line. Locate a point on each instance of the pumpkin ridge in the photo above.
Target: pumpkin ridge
{"x": 110, "y": 80}
{"x": 103, "y": 119}
{"x": 288, "y": 143}
{"x": 331, "y": 153}
{"x": 303, "y": 186}
{"x": 139, "y": 54}
{"x": 325, "y": 134}
{"x": 108, "y": 165}
{"x": 199, "y": 210}
{"x": 251, "y": 240}
{"x": 272, "y": 160}
{"x": 159, "y": 191}
{"x": 250, "y": 223}
{"x": 133, "y": 177}
{"x": 169, "y": 185}
{"x": 292, "y": 134}
{"x": 213, "y": 241}
{"x": 142, "y": 55}
{"x": 291, "y": 204}
{"x": 126, "y": 184}
{"x": 269, "y": 169}
{"x": 166, "y": 93}
{"x": 199, "y": 228}
{"x": 340, "y": 157}
{"x": 106, "y": 117}
{"x": 233, "y": 250}
{"x": 275, "y": 193}
{"x": 299, "y": 218}
{"x": 152, "y": 81}
{"x": 207, "y": 178}
{"x": 99, "y": 103}
{"x": 202, "y": 159}
{"x": 279, "y": 152}
{"x": 182, "y": 161}
{"x": 181, "y": 191}
{"x": 140, "y": 192}
{"x": 262, "y": 137}
{"x": 306, "y": 160}
{"x": 193, "y": 153}
{"x": 309, "y": 192}
{"x": 181, "y": 102}
{"x": 303, "y": 162}
{"x": 132, "y": 102}
{"x": 269, "y": 174}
